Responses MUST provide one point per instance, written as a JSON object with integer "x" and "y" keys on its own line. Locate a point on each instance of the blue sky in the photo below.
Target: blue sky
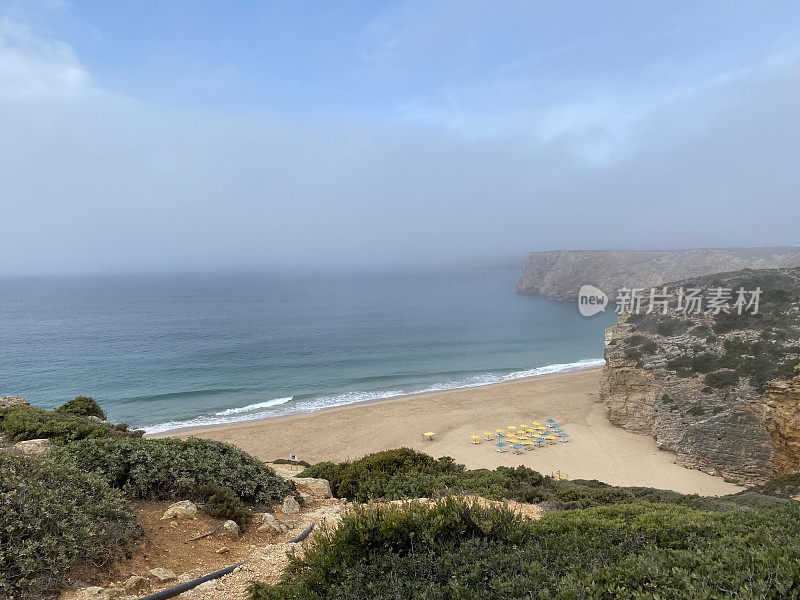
{"x": 391, "y": 132}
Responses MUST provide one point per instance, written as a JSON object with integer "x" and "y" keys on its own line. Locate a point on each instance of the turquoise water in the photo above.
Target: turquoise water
{"x": 167, "y": 351}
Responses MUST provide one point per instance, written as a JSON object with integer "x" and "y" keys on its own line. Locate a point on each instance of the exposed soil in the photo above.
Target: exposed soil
{"x": 169, "y": 545}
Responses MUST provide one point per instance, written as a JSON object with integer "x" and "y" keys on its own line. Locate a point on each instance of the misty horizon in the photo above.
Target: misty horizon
{"x": 394, "y": 135}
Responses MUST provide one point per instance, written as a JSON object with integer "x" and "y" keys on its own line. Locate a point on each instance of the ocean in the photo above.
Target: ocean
{"x": 167, "y": 351}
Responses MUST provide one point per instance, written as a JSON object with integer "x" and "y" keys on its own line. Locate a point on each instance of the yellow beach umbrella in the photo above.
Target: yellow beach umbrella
{"x": 524, "y": 426}
{"x": 429, "y": 435}
{"x": 511, "y": 427}
{"x": 536, "y": 423}
{"x": 528, "y": 443}
{"x": 499, "y": 430}
{"x": 551, "y": 437}
{"x": 475, "y": 437}
{"x": 523, "y": 437}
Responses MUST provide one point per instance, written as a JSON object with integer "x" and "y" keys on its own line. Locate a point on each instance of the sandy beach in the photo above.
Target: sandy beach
{"x": 596, "y": 450}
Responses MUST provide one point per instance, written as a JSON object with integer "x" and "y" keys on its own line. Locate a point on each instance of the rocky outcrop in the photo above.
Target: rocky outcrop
{"x": 290, "y": 505}
{"x": 184, "y": 509}
{"x": 315, "y": 487}
{"x": 229, "y": 528}
{"x": 721, "y": 391}
{"x": 12, "y": 402}
{"x": 560, "y": 274}
{"x": 32, "y": 448}
{"x": 783, "y": 423}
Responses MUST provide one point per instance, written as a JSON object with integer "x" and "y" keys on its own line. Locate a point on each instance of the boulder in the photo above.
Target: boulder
{"x": 290, "y": 505}
{"x": 229, "y": 528}
{"x": 13, "y": 402}
{"x": 185, "y": 509}
{"x": 272, "y": 525}
{"x": 223, "y": 550}
{"x": 32, "y": 448}
{"x": 319, "y": 488}
{"x": 163, "y": 575}
{"x": 94, "y": 592}
{"x": 135, "y": 583}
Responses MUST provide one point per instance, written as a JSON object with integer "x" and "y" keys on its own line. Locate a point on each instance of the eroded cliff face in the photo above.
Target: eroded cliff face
{"x": 783, "y": 423}
{"x": 724, "y": 395}
{"x": 560, "y": 274}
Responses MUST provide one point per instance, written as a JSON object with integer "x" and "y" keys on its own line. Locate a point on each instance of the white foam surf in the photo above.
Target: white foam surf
{"x": 270, "y": 408}
{"x": 252, "y": 407}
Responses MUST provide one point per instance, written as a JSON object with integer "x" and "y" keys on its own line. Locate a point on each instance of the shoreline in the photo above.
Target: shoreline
{"x": 597, "y": 449}
{"x": 183, "y": 431}
{"x": 206, "y": 421}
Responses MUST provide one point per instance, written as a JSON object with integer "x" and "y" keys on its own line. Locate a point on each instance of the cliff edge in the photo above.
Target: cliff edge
{"x": 722, "y": 391}
{"x": 560, "y": 274}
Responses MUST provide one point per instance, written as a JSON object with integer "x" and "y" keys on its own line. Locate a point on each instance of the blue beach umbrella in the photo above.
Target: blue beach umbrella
{"x": 550, "y": 421}
{"x": 501, "y": 444}
{"x": 562, "y": 434}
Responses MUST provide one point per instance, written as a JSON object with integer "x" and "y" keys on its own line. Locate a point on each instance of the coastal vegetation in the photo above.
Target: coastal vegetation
{"x": 83, "y": 406}
{"x": 70, "y": 508}
{"x": 404, "y": 474}
{"x": 458, "y": 549}
{"x": 28, "y": 423}
{"x": 168, "y": 469}
{"x": 54, "y": 517}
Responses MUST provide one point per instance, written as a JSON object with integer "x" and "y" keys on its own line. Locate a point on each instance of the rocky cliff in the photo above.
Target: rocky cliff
{"x": 560, "y": 274}
{"x": 722, "y": 391}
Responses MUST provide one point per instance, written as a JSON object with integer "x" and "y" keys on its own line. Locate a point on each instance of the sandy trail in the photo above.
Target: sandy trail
{"x": 596, "y": 450}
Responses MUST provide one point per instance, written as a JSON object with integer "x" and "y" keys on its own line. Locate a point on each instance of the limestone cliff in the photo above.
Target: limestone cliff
{"x": 560, "y": 274}
{"x": 721, "y": 391}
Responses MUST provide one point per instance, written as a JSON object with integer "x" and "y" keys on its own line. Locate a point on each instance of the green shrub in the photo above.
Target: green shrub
{"x": 53, "y": 517}
{"x": 172, "y": 468}
{"x": 83, "y": 406}
{"x": 25, "y": 423}
{"x": 785, "y": 486}
{"x": 221, "y": 503}
{"x": 722, "y": 378}
{"x": 458, "y": 550}
{"x": 671, "y": 326}
{"x": 286, "y": 461}
{"x": 696, "y": 411}
{"x": 402, "y": 474}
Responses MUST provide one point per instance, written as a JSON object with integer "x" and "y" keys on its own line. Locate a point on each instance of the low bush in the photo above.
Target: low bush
{"x": 26, "y": 423}
{"x": 173, "y": 469}
{"x": 696, "y": 411}
{"x": 460, "y": 550}
{"x": 785, "y": 486}
{"x": 52, "y": 518}
{"x": 722, "y": 378}
{"x": 221, "y": 503}
{"x": 83, "y": 406}
{"x": 404, "y": 473}
{"x": 286, "y": 461}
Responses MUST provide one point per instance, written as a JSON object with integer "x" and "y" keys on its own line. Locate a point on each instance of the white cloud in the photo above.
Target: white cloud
{"x": 33, "y": 67}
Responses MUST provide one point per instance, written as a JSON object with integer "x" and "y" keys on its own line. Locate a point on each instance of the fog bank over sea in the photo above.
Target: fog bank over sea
{"x": 163, "y": 352}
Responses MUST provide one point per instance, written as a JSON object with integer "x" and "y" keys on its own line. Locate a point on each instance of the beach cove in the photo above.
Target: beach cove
{"x": 597, "y": 449}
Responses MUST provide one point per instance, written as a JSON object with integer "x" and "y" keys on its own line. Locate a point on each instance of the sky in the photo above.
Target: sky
{"x": 193, "y": 135}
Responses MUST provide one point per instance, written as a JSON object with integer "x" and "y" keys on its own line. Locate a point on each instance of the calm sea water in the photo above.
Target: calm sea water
{"x": 168, "y": 351}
